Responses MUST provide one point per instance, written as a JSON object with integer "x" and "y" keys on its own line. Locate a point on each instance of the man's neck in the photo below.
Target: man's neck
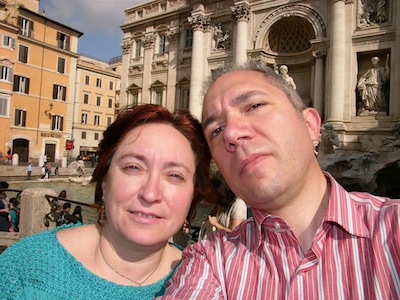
{"x": 306, "y": 214}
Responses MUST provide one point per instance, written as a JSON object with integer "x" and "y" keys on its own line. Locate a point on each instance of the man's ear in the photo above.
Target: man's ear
{"x": 313, "y": 121}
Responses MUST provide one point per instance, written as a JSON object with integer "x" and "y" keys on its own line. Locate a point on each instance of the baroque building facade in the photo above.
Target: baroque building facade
{"x": 171, "y": 46}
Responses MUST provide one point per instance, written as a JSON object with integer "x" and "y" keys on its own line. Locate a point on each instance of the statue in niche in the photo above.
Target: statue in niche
{"x": 221, "y": 37}
{"x": 284, "y": 72}
{"x": 371, "y": 87}
{"x": 373, "y": 12}
{"x": 328, "y": 139}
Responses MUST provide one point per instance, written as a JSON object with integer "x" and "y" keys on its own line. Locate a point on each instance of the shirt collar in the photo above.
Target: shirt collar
{"x": 342, "y": 210}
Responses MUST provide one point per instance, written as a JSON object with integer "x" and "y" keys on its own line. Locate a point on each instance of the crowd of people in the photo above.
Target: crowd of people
{"x": 308, "y": 238}
{"x": 9, "y": 210}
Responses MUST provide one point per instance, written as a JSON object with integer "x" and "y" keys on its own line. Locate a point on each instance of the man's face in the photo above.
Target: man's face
{"x": 261, "y": 144}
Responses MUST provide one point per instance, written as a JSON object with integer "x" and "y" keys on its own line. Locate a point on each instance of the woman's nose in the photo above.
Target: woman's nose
{"x": 151, "y": 189}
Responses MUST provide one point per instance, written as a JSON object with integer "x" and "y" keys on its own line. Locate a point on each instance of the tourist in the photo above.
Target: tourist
{"x": 153, "y": 168}
{"x": 62, "y": 194}
{"x": 29, "y": 171}
{"x": 65, "y": 217}
{"x": 56, "y": 172}
{"x": 13, "y": 215}
{"x": 228, "y": 212}
{"x": 9, "y": 156}
{"x": 77, "y": 213}
{"x": 309, "y": 238}
{"x": 4, "y": 221}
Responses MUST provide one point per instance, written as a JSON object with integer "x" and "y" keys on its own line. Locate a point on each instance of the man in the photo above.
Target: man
{"x": 29, "y": 171}
{"x": 65, "y": 217}
{"x": 309, "y": 239}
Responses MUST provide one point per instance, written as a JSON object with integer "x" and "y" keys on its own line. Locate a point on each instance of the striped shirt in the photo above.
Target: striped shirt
{"x": 355, "y": 254}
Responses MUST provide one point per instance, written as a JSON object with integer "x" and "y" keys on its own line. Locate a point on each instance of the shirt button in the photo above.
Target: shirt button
{"x": 277, "y": 225}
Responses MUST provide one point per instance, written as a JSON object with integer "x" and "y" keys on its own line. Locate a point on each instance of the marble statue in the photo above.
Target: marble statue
{"x": 285, "y": 75}
{"x": 328, "y": 139}
{"x": 371, "y": 87}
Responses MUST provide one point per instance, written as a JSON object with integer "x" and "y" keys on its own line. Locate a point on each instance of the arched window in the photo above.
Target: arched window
{"x": 290, "y": 35}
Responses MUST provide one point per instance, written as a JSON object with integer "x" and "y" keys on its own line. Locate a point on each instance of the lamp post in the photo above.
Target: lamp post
{"x": 48, "y": 111}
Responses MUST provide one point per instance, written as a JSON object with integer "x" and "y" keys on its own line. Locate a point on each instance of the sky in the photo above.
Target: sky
{"x": 98, "y": 20}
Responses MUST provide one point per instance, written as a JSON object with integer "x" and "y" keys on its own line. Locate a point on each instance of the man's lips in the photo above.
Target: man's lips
{"x": 250, "y": 161}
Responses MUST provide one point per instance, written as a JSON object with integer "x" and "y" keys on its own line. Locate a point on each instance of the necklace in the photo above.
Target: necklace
{"x": 122, "y": 275}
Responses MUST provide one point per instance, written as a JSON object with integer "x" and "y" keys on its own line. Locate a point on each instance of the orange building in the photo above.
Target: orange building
{"x": 38, "y": 118}
{"x": 8, "y": 37}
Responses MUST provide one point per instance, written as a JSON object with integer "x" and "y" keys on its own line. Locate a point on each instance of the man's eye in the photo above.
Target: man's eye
{"x": 255, "y": 106}
{"x": 217, "y": 131}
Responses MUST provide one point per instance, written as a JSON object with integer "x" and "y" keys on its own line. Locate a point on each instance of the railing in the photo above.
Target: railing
{"x": 53, "y": 202}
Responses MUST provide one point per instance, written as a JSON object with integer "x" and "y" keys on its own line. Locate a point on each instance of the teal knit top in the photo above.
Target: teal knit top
{"x": 39, "y": 267}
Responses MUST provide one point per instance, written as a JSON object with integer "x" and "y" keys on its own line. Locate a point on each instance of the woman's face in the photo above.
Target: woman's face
{"x": 150, "y": 185}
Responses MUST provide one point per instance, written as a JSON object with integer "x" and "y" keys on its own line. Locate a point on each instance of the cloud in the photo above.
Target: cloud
{"x": 98, "y": 20}
{"x": 88, "y": 15}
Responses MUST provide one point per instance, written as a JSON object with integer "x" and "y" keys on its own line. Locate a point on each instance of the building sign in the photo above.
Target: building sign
{"x": 51, "y": 134}
{"x": 69, "y": 145}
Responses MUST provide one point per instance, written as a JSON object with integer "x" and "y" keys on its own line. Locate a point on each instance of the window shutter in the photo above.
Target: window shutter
{"x": 25, "y": 54}
{"x": 12, "y": 43}
{"x": 61, "y": 123}
{"x": 64, "y": 95}
{"x": 67, "y": 42}
{"x": 24, "y": 118}
{"x": 54, "y": 91}
{"x": 10, "y": 74}
{"x": 30, "y": 28}
{"x": 16, "y": 117}
{"x": 27, "y": 85}
{"x": 15, "y": 83}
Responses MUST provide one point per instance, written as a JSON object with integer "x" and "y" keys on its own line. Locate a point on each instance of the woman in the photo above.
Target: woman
{"x": 152, "y": 168}
{"x": 227, "y": 213}
{"x": 13, "y": 214}
{"x": 78, "y": 213}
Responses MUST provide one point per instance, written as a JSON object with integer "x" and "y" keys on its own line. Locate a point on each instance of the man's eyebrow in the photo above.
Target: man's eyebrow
{"x": 235, "y": 101}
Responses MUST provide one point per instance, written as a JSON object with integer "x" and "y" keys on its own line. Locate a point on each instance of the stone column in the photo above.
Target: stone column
{"x": 173, "y": 39}
{"x": 199, "y": 22}
{"x": 148, "y": 43}
{"x": 126, "y": 54}
{"x": 34, "y": 208}
{"x": 394, "y": 99}
{"x": 318, "y": 82}
{"x": 241, "y": 13}
{"x": 338, "y": 62}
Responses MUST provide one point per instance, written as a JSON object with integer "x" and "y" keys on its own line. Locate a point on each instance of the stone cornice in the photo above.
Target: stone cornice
{"x": 373, "y": 38}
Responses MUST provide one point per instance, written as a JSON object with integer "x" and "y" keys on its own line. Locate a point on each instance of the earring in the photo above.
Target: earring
{"x": 102, "y": 212}
{"x": 185, "y": 227}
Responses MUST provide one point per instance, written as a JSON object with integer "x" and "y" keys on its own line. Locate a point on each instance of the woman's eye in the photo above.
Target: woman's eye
{"x": 176, "y": 177}
{"x": 131, "y": 168}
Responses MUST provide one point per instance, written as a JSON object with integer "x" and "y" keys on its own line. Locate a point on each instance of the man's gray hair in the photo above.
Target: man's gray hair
{"x": 258, "y": 66}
